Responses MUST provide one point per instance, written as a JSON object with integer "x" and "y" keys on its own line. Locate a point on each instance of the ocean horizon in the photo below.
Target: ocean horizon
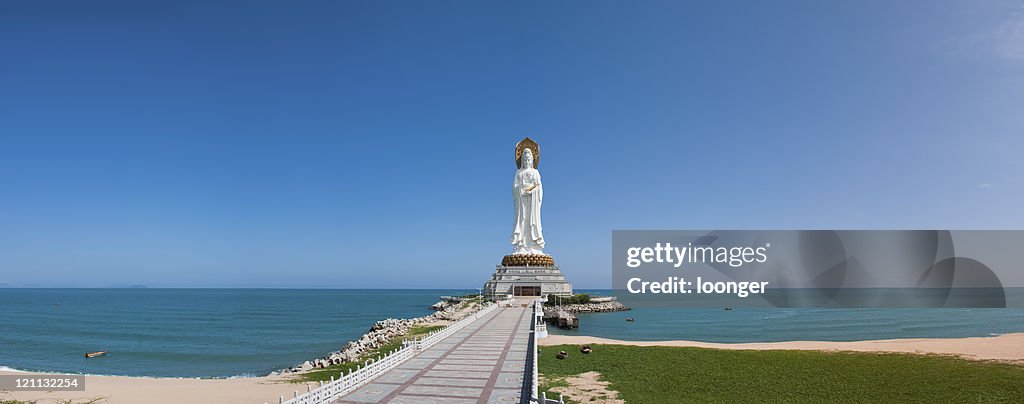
{"x": 223, "y": 333}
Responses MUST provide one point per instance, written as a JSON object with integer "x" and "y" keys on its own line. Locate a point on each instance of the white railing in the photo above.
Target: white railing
{"x": 532, "y": 358}
{"x": 538, "y": 319}
{"x": 531, "y": 364}
{"x": 361, "y": 375}
{"x": 355, "y": 378}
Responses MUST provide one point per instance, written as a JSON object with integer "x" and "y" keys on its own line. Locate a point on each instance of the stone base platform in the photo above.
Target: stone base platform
{"x": 526, "y": 281}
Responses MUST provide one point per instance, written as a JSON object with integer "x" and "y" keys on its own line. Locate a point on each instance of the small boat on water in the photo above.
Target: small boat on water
{"x": 95, "y": 354}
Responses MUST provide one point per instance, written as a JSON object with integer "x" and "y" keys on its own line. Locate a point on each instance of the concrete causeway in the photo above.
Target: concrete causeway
{"x": 485, "y": 362}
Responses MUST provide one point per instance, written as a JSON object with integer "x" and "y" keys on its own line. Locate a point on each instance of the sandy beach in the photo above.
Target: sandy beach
{"x": 1008, "y": 347}
{"x": 124, "y": 389}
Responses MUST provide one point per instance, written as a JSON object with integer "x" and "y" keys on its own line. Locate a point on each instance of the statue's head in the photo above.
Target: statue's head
{"x": 524, "y": 146}
{"x": 527, "y": 158}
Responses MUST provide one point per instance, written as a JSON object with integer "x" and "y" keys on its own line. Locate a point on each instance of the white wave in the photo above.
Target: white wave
{"x": 7, "y": 369}
{"x": 244, "y": 376}
{"x": 239, "y": 376}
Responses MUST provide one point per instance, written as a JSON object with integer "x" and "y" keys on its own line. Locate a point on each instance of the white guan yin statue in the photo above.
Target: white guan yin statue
{"x": 527, "y": 193}
{"x": 527, "y": 271}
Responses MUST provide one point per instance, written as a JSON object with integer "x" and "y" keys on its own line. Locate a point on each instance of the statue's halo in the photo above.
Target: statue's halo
{"x": 533, "y": 146}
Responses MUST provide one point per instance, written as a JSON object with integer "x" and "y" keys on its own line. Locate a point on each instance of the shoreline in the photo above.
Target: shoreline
{"x": 131, "y": 389}
{"x": 4, "y": 370}
{"x": 1003, "y": 348}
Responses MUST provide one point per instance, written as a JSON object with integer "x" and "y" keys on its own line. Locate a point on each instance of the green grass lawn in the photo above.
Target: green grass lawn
{"x": 674, "y": 374}
{"x": 325, "y": 374}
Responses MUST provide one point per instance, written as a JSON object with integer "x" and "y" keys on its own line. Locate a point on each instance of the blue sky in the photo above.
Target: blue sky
{"x": 370, "y": 144}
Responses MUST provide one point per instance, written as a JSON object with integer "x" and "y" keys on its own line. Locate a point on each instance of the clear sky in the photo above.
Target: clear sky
{"x": 370, "y": 144}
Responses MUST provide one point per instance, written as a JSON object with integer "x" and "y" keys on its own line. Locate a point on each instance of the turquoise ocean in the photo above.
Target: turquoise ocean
{"x": 190, "y": 332}
{"x": 665, "y": 320}
{"x": 252, "y": 332}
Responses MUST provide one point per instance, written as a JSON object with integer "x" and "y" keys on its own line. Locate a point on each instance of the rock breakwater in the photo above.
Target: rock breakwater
{"x": 601, "y": 307}
{"x": 386, "y": 331}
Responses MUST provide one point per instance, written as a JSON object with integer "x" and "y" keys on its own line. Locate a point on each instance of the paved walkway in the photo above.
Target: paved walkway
{"x": 485, "y": 362}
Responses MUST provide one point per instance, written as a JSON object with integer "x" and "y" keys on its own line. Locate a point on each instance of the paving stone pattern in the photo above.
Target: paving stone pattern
{"x": 485, "y": 362}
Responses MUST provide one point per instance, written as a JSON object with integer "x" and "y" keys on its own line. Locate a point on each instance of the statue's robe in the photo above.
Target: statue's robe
{"x": 527, "y": 236}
